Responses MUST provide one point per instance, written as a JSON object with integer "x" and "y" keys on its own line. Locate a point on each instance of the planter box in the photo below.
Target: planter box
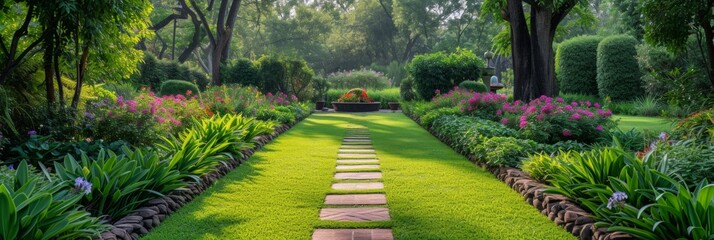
{"x": 356, "y": 107}
{"x": 394, "y": 106}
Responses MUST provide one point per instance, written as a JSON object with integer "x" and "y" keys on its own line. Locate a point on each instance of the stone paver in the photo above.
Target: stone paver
{"x": 356, "y": 199}
{"x": 356, "y": 140}
{"x": 356, "y": 155}
{"x": 352, "y": 234}
{"x": 356, "y": 151}
{"x": 358, "y": 161}
{"x": 357, "y": 143}
{"x": 358, "y": 186}
{"x": 351, "y": 167}
{"x": 358, "y": 175}
{"x": 356, "y": 147}
{"x": 355, "y": 214}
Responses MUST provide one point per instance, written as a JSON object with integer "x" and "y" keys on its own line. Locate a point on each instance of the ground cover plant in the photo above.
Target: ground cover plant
{"x": 298, "y": 176}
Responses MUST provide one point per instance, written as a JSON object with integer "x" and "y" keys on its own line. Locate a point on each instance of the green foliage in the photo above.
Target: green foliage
{"x": 431, "y": 116}
{"x": 36, "y": 208}
{"x": 280, "y": 114}
{"x": 299, "y": 78}
{"x": 572, "y": 97}
{"x": 698, "y": 127}
{"x": 690, "y": 161}
{"x": 406, "y": 89}
{"x": 618, "y": 75}
{"x": 120, "y": 183}
{"x": 647, "y": 106}
{"x": 153, "y": 72}
{"x": 473, "y": 86}
{"x": 576, "y": 65}
{"x": 362, "y": 78}
{"x": 441, "y": 71}
{"x": 504, "y": 151}
{"x": 272, "y": 73}
{"x": 322, "y": 86}
{"x": 45, "y": 150}
{"x": 243, "y": 72}
{"x": 178, "y": 87}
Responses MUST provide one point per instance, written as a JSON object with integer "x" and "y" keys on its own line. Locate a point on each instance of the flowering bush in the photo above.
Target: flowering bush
{"x": 549, "y": 120}
{"x": 453, "y": 98}
{"x": 355, "y": 95}
{"x": 142, "y": 120}
{"x": 358, "y": 78}
{"x": 251, "y": 102}
{"x": 485, "y": 105}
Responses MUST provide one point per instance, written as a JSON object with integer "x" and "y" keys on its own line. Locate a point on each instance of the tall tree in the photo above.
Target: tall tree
{"x": 532, "y": 42}
{"x": 684, "y": 18}
{"x": 220, "y": 36}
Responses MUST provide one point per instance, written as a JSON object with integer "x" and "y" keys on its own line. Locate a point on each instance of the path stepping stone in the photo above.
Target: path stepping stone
{"x": 358, "y": 186}
{"x": 358, "y": 175}
{"x": 356, "y": 155}
{"x": 356, "y": 151}
{"x": 351, "y": 167}
{"x": 357, "y": 143}
{"x": 358, "y": 161}
{"x": 352, "y": 234}
{"x": 355, "y": 214}
{"x": 356, "y": 199}
{"x": 356, "y": 140}
{"x": 356, "y": 147}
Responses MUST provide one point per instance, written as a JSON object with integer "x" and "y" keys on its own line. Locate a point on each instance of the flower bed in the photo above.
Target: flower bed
{"x": 356, "y": 100}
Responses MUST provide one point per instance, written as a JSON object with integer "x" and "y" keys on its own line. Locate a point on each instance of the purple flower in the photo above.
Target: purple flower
{"x": 599, "y": 128}
{"x": 617, "y": 200}
{"x": 32, "y": 132}
{"x": 567, "y": 133}
{"x": 89, "y": 115}
{"x": 81, "y": 185}
{"x": 663, "y": 136}
{"x": 11, "y": 166}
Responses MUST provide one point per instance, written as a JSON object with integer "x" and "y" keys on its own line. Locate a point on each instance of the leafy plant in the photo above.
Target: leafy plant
{"x": 34, "y": 207}
{"x": 178, "y": 87}
{"x": 122, "y": 182}
{"x": 504, "y": 151}
{"x": 473, "y": 86}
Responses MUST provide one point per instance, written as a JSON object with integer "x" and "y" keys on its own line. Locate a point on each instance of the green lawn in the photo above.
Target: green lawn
{"x": 652, "y": 124}
{"x": 433, "y": 193}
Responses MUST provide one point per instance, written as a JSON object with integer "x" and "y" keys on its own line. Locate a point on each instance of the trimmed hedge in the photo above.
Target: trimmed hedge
{"x": 441, "y": 71}
{"x": 153, "y": 72}
{"x": 175, "y": 87}
{"x": 243, "y": 72}
{"x": 272, "y": 72}
{"x": 618, "y": 74}
{"x": 576, "y": 65}
{"x": 473, "y": 86}
{"x": 406, "y": 90}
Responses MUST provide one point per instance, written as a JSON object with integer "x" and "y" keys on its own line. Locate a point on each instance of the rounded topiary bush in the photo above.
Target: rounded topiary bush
{"x": 243, "y": 72}
{"x": 618, "y": 75}
{"x": 473, "y": 86}
{"x": 441, "y": 71}
{"x": 272, "y": 73}
{"x": 576, "y": 65}
{"x": 175, "y": 87}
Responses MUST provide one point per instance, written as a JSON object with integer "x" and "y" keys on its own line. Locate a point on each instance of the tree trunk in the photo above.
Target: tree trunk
{"x": 709, "y": 39}
{"x": 523, "y": 87}
{"x": 48, "y": 57}
{"x": 542, "y": 42}
{"x": 81, "y": 70}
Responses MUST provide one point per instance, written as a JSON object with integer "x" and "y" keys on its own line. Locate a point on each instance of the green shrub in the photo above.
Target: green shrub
{"x": 573, "y": 97}
{"x": 36, "y": 208}
{"x": 299, "y": 76}
{"x": 242, "y": 72}
{"x": 431, "y": 116}
{"x": 272, "y": 73}
{"x": 576, "y": 65}
{"x": 178, "y": 87}
{"x": 618, "y": 75}
{"x": 406, "y": 90}
{"x": 687, "y": 160}
{"x": 698, "y": 127}
{"x": 322, "y": 86}
{"x": 473, "y": 86}
{"x": 504, "y": 151}
{"x": 440, "y": 71}
{"x": 152, "y": 72}
{"x": 121, "y": 183}
{"x": 362, "y": 78}
{"x": 647, "y": 106}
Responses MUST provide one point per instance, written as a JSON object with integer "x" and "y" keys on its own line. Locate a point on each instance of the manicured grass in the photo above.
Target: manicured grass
{"x": 432, "y": 192}
{"x": 651, "y": 124}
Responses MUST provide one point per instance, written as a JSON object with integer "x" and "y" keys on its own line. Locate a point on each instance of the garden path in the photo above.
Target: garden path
{"x": 422, "y": 188}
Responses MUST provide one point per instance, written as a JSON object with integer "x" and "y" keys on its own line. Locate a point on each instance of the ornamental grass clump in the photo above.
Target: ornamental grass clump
{"x": 356, "y": 95}
{"x": 548, "y": 120}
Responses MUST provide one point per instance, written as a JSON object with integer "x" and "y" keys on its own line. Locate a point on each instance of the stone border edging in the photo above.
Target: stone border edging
{"x": 559, "y": 209}
{"x": 150, "y": 214}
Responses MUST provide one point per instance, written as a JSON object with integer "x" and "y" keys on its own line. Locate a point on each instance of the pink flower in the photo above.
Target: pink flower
{"x": 596, "y": 105}
{"x": 499, "y": 112}
{"x": 560, "y": 100}
{"x": 599, "y": 128}
{"x": 540, "y": 117}
{"x": 504, "y": 121}
{"x": 160, "y": 119}
{"x": 575, "y": 116}
{"x": 567, "y": 133}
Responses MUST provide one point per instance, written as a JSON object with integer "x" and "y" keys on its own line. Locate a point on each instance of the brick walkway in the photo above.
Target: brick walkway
{"x": 358, "y": 157}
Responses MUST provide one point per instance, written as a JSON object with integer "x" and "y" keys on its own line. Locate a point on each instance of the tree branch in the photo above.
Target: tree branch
{"x": 201, "y": 16}
{"x": 161, "y": 24}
